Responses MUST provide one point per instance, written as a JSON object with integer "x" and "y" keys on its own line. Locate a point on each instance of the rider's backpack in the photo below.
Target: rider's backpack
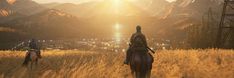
{"x": 138, "y": 41}
{"x": 138, "y": 44}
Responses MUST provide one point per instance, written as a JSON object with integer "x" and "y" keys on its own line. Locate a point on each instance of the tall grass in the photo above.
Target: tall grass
{"x": 79, "y": 64}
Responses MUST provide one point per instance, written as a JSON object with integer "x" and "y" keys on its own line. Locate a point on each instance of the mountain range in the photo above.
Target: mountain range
{"x": 26, "y": 19}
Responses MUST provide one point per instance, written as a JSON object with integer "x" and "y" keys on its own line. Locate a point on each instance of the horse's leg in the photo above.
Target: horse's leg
{"x": 143, "y": 74}
{"x": 132, "y": 69}
{"x": 148, "y": 74}
{"x": 148, "y": 71}
{"x": 31, "y": 65}
{"x": 36, "y": 62}
{"x": 149, "y": 65}
{"x": 138, "y": 74}
{"x": 132, "y": 72}
{"x": 144, "y": 67}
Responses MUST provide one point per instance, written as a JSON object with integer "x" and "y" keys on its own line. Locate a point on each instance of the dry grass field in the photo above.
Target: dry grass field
{"x": 79, "y": 64}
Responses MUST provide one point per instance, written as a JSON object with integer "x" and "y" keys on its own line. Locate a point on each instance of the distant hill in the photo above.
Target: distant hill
{"x": 50, "y": 5}
{"x": 92, "y": 9}
{"x": 194, "y": 9}
{"x": 50, "y": 23}
{"x": 18, "y": 8}
{"x": 26, "y": 7}
{"x": 184, "y": 13}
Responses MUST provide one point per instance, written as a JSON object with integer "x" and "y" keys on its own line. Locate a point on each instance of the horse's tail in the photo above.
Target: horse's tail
{"x": 141, "y": 64}
{"x": 146, "y": 64}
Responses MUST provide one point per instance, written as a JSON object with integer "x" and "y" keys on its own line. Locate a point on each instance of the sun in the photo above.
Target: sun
{"x": 116, "y": 2}
{"x": 117, "y": 27}
{"x": 171, "y": 0}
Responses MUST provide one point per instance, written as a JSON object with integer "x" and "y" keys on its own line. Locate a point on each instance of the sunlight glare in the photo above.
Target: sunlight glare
{"x": 117, "y": 27}
{"x": 117, "y": 36}
{"x": 117, "y": 33}
{"x": 11, "y": 1}
{"x": 116, "y": 2}
{"x": 171, "y": 0}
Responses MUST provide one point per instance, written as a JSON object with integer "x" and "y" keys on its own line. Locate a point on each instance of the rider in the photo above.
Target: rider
{"x": 32, "y": 46}
{"x": 137, "y": 41}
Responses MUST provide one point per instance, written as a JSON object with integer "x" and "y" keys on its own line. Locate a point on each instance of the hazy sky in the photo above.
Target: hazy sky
{"x": 71, "y": 1}
{"x": 62, "y": 1}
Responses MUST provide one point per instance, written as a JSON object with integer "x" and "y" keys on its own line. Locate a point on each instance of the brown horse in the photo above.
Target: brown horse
{"x": 141, "y": 64}
{"x": 33, "y": 57}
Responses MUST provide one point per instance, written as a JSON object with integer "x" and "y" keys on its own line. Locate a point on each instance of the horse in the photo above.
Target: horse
{"x": 33, "y": 58}
{"x": 141, "y": 64}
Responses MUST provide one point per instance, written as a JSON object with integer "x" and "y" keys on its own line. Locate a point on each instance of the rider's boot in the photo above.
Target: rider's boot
{"x": 126, "y": 62}
{"x": 127, "y": 57}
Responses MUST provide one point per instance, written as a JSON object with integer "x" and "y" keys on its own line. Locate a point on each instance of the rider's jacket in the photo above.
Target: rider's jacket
{"x": 33, "y": 45}
{"x": 138, "y": 40}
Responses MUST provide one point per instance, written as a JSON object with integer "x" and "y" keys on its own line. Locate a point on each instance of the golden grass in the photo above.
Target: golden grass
{"x": 79, "y": 64}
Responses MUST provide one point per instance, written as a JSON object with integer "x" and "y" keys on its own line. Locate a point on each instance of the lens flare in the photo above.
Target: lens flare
{"x": 117, "y": 37}
{"x": 117, "y": 28}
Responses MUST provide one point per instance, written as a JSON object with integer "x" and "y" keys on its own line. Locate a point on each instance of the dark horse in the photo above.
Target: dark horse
{"x": 141, "y": 64}
{"x": 32, "y": 57}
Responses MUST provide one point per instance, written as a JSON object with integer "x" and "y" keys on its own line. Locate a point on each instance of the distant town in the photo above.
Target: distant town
{"x": 94, "y": 44}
